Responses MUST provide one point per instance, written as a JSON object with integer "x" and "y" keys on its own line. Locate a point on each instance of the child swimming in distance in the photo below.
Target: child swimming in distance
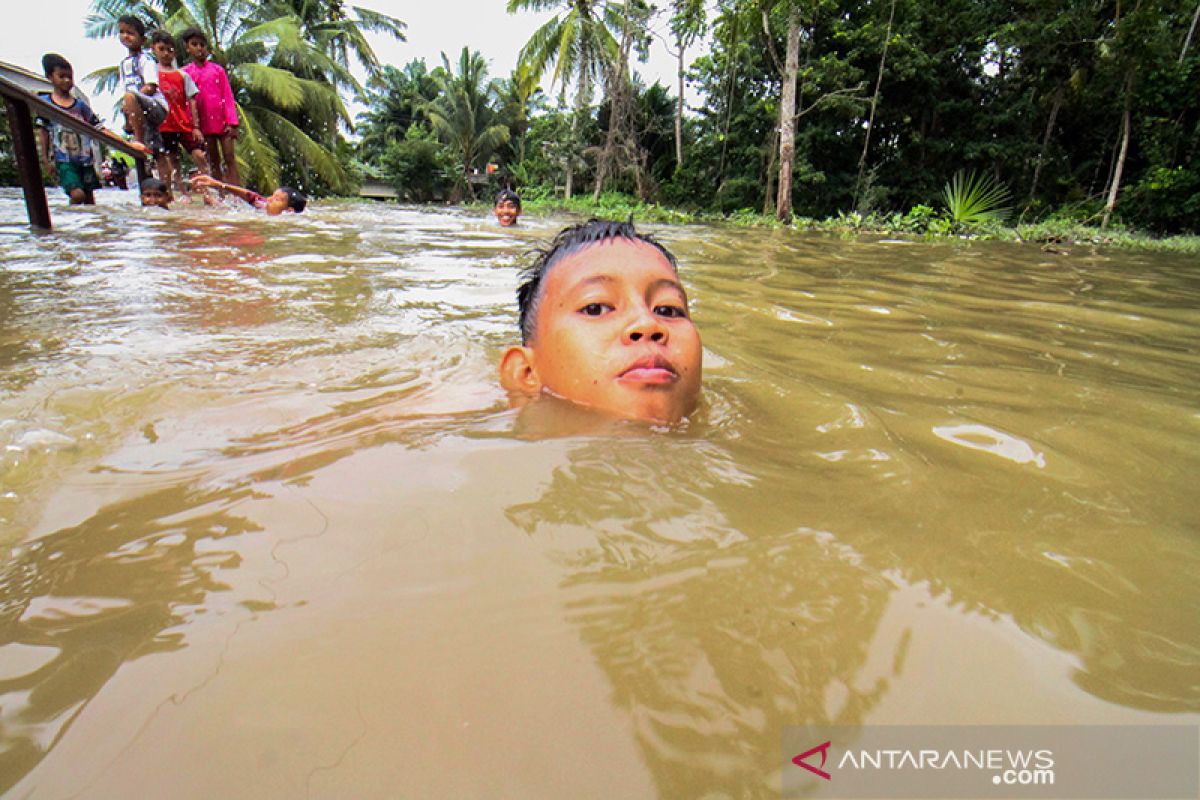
{"x": 155, "y": 193}
{"x": 282, "y": 199}
{"x": 507, "y": 208}
{"x": 605, "y": 325}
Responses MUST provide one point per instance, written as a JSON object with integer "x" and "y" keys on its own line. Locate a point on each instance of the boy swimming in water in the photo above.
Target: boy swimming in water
{"x": 507, "y": 208}
{"x": 605, "y": 324}
{"x": 154, "y": 193}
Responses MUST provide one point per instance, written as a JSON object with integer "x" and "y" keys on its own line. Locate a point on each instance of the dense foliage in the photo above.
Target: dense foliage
{"x": 1074, "y": 109}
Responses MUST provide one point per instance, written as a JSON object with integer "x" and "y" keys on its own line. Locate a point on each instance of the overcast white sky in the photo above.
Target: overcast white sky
{"x": 31, "y": 27}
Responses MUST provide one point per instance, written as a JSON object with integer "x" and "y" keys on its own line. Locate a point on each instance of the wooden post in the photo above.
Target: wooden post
{"x": 28, "y": 166}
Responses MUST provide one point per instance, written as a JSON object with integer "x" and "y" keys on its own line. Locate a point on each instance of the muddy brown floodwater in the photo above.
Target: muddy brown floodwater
{"x": 268, "y": 529}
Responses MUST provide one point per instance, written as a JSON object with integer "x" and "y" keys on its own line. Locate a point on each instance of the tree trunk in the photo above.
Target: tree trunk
{"x": 1126, "y": 125}
{"x": 787, "y": 118}
{"x": 580, "y": 102}
{"x": 733, "y": 62}
{"x": 679, "y": 110}
{"x": 769, "y": 192}
{"x": 617, "y": 83}
{"x": 1059, "y": 93}
{"x": 1187, "y": 42}
{"x": 862, "y": 160}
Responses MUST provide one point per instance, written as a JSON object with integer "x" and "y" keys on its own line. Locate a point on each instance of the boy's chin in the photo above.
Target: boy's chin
{"x": 548, "y": 415}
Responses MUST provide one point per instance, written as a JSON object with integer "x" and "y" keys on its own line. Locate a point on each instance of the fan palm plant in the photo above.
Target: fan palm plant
{"x": 973, "y": 200}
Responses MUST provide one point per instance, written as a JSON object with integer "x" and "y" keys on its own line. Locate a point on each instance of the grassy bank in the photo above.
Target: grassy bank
{"x": 921, "y": 222}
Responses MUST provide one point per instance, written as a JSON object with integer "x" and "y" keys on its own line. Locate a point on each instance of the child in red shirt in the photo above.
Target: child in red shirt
{"x": 182, "y": 125}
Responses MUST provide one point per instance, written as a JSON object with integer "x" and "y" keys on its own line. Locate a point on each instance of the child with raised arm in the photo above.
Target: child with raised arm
{"x": 218, "y": 114}
{"x": 285, "y": 198}
{"x": 181, "y": 128}
{"x": 144, "y": 105}
{"x": 605, "y": 324}
{"x": 67, "y": 155}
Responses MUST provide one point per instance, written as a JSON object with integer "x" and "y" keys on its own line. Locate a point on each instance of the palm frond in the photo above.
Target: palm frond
{"x": 973, "y": 199}
{"x": 279, "y": 86}
{"x": 296, "y": 143}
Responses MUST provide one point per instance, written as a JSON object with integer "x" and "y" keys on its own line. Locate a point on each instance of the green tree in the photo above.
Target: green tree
{"x": 464, "y": 116}
{"x": 578, "y": 45}
{"x": 395, "y": 100}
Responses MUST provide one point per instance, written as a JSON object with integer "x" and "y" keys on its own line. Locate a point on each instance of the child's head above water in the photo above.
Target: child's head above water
{"x": 285, "y": 198}
{"x": 507, "y": 207}
{"x": 154, "y": 193}
{"x": 605, "y": 324}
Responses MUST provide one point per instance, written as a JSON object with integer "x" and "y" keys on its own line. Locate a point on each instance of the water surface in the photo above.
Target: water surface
{"x": 268, "y": 528}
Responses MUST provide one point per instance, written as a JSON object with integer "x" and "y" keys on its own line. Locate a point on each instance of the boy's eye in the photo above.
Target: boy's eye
{"x": 595, "y": 309}
{"x": 673, "y": 312}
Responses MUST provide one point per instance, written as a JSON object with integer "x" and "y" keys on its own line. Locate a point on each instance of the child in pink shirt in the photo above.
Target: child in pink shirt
{"x": 218, "y": 110}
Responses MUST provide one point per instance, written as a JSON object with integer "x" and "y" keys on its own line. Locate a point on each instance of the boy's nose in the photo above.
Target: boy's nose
{"x": 646, "y": 325}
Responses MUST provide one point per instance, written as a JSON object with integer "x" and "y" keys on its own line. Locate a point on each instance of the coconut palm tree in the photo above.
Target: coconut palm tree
{"x": 517, "y": 95}
{"x": 578, "y": 44}
{"x": 464, "y": 116}
{"x": 395, "y": 99}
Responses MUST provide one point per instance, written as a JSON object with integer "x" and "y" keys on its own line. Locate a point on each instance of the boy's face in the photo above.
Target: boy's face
{"x": 197, "y": 49}
{"x": 506, "y": 212}
{"x": 164, "y": 53}
{"x": 129, "y": 37}
{"x": 62, "y": 79}
{"x": 277, "y": 203}
{"x": 155, "y": 197}
{"x": 613, "y": 333}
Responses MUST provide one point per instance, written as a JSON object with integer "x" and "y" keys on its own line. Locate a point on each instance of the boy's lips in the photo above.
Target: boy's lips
{"x": 650, "y": 370}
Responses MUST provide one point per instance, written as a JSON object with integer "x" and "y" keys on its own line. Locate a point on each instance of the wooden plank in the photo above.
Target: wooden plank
{"x": 28, "y": 166}
{"x": 43, "y": 108}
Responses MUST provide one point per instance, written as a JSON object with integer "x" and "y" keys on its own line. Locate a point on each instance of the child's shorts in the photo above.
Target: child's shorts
{"x": 173, "y": 140}
{"x": 153, "y": 112}
{"x": 72, "y": 175}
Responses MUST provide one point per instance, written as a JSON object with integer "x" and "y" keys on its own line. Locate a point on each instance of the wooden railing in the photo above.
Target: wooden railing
{"x": 22, "y": 106}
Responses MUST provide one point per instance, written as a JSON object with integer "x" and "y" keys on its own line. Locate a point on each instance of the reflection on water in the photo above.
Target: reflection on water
{"x": 262, "y": 505}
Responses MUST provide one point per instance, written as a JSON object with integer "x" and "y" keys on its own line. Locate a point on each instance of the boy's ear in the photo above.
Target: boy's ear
{"x": 518, "y": 375}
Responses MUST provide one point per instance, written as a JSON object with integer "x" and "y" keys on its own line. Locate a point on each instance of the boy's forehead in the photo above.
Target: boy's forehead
{"x": 614, "y": 259}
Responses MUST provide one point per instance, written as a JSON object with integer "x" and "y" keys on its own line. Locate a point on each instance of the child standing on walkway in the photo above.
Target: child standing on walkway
{"x": 144, "y": 105}
{"x": 66, "y": 155}
{"x": 218, "y": 110}
{"x": 182, "y": 126}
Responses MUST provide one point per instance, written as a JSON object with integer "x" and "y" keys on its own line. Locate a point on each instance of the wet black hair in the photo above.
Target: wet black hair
{"x": 508, "y": 195}
{"x": 53, "y": 61}
{"x": 297, "y": 201}
{"x": 571, "y": 240}
{"x": 134, "y": 23}
{"x": 193, "y": 33}
{"x": 162, "y": 36}
{"x": 152, "y": 184}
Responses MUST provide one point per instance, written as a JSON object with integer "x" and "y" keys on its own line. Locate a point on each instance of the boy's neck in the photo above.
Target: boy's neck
{"x": 135, "y": 51}
{"x": 58, "y": 94}
{"x": 163, "y": 65}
